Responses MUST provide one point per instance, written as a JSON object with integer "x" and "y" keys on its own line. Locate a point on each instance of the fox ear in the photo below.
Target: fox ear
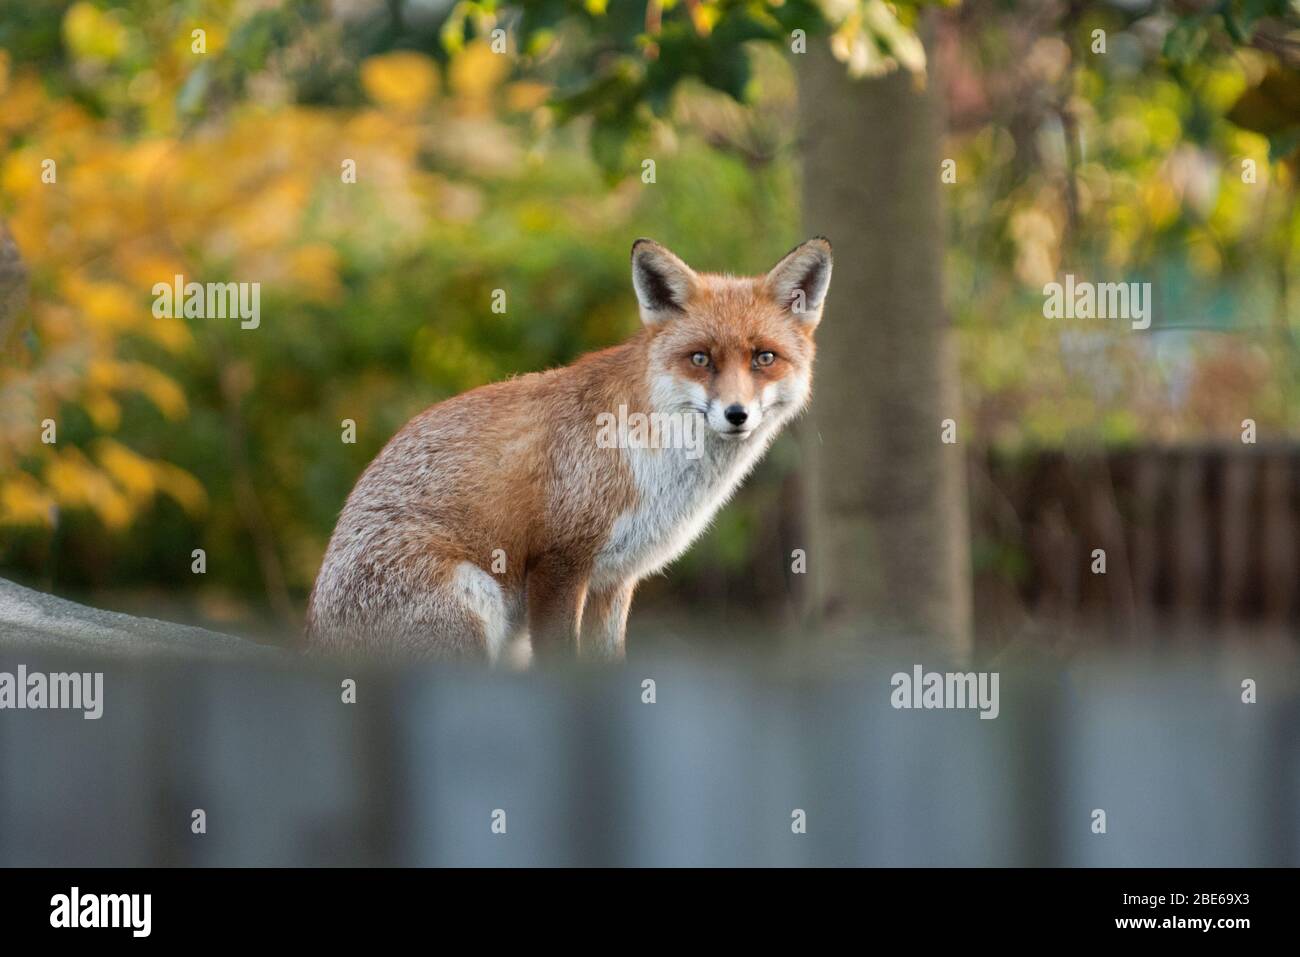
{"x": 799, "y": 281}
{"x": 662, "y": 282}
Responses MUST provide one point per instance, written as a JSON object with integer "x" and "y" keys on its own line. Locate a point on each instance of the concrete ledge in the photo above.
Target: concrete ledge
{"x": 34, "y": 619}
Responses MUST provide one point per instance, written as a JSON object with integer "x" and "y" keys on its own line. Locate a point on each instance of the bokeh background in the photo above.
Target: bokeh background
{"x": 959, "y": 156}
{"x": 1169, "y": 156}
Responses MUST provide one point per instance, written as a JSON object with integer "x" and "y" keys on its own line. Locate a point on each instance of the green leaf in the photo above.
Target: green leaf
{"x": 1284, "y": 145}
{"x": 617, "y": 142}
{"x": 1184, "y": 42}
{"x": 194, "y": 90}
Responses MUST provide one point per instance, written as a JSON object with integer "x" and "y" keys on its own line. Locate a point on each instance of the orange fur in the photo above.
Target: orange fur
{"x": 497, "y": 512}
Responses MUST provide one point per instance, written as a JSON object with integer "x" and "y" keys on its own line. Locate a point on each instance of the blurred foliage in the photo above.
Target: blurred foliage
{"x": 622, "y": 62}
{"x": 1142, "y": 160}
{"x": 477, "y": 171}
{"x": 375, "y": 295}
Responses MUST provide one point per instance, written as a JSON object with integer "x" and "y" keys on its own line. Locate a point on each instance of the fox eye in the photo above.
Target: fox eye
{"x": 699, "y": 359}
{"x": 765, "y": 358}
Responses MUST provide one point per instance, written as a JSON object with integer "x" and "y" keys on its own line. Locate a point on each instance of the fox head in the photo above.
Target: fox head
{"x": 737, "y": 350}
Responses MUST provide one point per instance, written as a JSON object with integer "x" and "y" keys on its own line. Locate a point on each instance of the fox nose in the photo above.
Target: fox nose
{"x": 736, "y": 414}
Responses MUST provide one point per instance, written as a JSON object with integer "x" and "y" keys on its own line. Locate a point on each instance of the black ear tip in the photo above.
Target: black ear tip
{"x": 642, "y": 242}
{"x": 822, "y": 241}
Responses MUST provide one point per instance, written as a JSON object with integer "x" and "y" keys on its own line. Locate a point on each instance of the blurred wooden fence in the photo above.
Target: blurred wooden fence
{"x": 1196, "y": 539}
{"x": 1199, "y": 542}
{"x": 587, "y": 770}
{"x": 587, "y": 773}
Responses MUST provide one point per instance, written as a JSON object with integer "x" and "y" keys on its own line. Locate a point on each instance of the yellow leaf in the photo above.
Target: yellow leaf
{"x": 524, "y": 96}
{"x": 129, "y": 470}
{"x": 24, "y": 103}
{"x": 24, "y": 503}
{"x": 93, "y": 34}
{"x": 157, "y": 387}
{"x": 1160, "y": 202}
{"x": 106, "y": 305}
{"x": 103, "y": 410}
{"x": 403, "y": 80}
{"x": 172, "y": 334}
{"x": 475, "y": 72}
{"x": 77, "y": 483}
{"x": 20, "y": 173}
{"x": 180, "y": 486}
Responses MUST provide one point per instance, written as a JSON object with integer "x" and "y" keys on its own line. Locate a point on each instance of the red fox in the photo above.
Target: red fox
{"x": 534, "y": 506}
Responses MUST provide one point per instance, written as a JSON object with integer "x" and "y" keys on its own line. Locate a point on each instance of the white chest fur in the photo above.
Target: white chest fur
{"x": 678, "y": 496}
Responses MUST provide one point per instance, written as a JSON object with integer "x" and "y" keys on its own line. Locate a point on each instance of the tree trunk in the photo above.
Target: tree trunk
{"x": 889, "y": 541}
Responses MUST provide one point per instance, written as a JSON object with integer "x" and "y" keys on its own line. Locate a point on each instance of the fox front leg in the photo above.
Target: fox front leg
{"x": 604, "y": 622}
{"x": 556, "y": 593}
